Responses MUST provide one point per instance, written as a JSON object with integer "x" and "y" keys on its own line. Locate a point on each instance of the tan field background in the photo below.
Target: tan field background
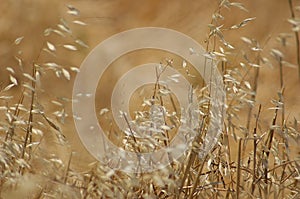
{"x": 29, "y": 18}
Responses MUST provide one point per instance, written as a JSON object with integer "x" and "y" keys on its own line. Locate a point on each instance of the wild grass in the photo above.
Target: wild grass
{"x": 250, "y": 160}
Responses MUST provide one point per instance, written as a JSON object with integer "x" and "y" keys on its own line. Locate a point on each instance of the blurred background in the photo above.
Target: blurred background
{"x": 30, "y": 19}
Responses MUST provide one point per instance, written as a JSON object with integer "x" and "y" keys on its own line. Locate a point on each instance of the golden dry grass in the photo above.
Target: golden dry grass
{"x": 65, "y": 170}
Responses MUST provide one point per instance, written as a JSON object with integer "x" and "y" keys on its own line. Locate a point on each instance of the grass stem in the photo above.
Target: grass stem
{"x": 296, "y": 36}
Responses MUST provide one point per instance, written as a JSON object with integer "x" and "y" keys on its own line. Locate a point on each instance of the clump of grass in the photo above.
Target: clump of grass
{"x": 250, "y": 160}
